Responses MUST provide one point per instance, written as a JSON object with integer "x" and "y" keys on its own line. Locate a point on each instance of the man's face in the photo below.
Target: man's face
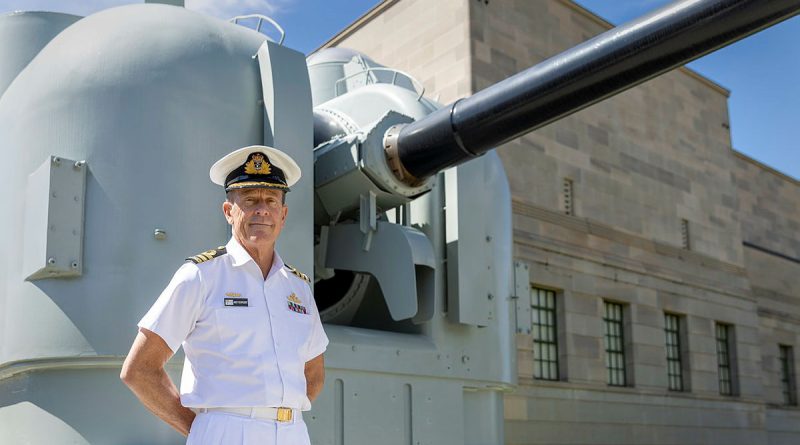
{"x": 257, "y": 215}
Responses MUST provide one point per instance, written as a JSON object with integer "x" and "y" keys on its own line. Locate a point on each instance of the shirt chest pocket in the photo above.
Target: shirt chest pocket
{"x": 242, "y": 330}
{"x": 297, "y": 326}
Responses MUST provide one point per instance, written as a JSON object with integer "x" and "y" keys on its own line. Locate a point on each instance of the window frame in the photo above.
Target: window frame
{"x": 550, "y": 343}
{"x": 616, "y": 354}
{"x": 788, "y": 383}
{"x": 675, "y": 352}
{"x": 726, "y": 359}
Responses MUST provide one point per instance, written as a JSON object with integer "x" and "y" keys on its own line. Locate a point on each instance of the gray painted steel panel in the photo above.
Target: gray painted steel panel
{"x": 22, "y": 36}
{"x": 149, "y": 123}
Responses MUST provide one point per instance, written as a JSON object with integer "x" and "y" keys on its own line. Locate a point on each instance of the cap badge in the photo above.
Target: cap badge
{"x": 257, "y": 165}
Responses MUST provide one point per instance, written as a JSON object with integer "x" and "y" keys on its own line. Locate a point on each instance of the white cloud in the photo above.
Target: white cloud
{"x": 226, "y": 9}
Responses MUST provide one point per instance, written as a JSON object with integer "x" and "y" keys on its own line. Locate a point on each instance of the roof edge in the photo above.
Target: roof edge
{"x": 357, "y": 24}
{"x": 608, "y": 25}
{"x": 765, "y": 167}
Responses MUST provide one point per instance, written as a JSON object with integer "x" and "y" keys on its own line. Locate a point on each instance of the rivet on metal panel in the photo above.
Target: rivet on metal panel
{"x": 56, "y": 160}
{"x": 79, "y": 165}
{"x": 464, "y": 358}
{"x": 490, "y": 296}
{"x": 74, "y": 265}
{"x": 160, "y": 234}
{"x": 51, "y": 260}
{"x": 53, "y": 194}
{"x": 488, "y": 238}
{"x": 353, "y": 347}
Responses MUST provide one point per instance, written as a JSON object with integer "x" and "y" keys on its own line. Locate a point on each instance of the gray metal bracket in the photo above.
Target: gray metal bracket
{"x": 522, "y": 297}
{"x": 401, "y": 259}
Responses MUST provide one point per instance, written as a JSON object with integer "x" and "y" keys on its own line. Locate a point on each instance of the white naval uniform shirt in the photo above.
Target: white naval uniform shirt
{"x": 236, "y": 355}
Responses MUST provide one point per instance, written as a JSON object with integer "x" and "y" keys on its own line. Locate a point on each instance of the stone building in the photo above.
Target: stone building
{"x": 662, "y": 262}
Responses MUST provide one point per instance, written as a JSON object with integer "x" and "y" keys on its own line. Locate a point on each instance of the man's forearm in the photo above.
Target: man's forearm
{"x": 315, "y": 376}
{"x": 158, "y": 394}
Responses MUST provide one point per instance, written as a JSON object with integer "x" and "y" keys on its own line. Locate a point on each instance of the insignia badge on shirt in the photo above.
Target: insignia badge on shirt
{"x": 294, "y": 304}
{"x": 233, "y": 300}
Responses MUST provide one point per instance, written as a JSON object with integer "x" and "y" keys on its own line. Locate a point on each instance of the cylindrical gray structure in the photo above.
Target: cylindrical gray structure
{"x": 23, "y": 35}
{"x": 588, "y": 73}
{"x": 149, "y": 96}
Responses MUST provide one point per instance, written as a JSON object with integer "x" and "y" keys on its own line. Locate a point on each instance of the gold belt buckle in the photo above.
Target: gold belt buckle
{"x": 284, "y": 414}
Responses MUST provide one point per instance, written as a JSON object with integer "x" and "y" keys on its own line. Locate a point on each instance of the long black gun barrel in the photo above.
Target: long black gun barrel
{"x": 608, "y": 64}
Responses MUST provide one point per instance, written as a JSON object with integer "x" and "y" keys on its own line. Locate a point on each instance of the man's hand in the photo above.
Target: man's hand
{"x": 143, "y": 372}
{"x": 315, "y": 376}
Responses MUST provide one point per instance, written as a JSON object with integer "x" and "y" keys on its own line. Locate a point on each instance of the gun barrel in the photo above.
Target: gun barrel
{"x": 610, "y": 63}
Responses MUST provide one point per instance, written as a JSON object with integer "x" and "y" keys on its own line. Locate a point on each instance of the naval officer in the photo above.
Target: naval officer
{"x": 247, "y": 322}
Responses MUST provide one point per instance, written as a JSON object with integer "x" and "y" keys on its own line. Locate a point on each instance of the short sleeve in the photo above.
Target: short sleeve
{"x": 318, "y": 341}
{"x": 176, "y": 310}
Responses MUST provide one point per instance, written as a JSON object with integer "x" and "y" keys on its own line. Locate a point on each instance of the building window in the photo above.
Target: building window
{"x": 615, "y": 344}
{"x": 787, "y": 375}
{"x": 724, "y": 359}
{"x": 672, "y": 329}
{"x": 545, "y": 334}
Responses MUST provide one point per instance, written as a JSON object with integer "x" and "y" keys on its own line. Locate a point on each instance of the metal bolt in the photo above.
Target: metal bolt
{"x": 74, "y": 265}
{"x": 490, "y": 296}
{"x": 464, "y": 358}
{"x": 160, "y": 234}
{"x": 79, "y": 164}
{"x": 56, "y": 160}
{"x": 51, "y": 260}
{"x": 488, "y": 238}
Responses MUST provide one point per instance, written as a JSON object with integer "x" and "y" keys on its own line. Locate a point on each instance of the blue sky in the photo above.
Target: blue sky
{"x": 761, "y": 71}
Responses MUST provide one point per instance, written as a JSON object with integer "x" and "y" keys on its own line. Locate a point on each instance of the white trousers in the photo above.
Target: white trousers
{"x": 216, "y": 428}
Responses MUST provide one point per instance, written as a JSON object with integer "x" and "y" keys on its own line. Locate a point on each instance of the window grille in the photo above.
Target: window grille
{"x": 615, "y": 344}
{"x": 545, "y": 334}
{"x": 724, "y": 362}
{"x": 685, "y": 234}
{"x": 568, "y": 197}
{"x": 672, "y": 329}
{"x": 787, "y": 375}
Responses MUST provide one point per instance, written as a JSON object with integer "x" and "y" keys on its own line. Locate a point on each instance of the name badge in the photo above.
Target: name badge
{"x": 236, "y": 302}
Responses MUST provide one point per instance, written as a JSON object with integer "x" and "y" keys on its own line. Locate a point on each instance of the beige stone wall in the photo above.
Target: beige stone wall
{"x": 769, "y": 206}
{"x": 429, "y": 40}
{"x": 770, "y": 217}
{"x": 640, "y": 162}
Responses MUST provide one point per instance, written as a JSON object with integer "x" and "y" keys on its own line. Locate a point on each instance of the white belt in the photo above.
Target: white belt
{"x": 266, "y": 413}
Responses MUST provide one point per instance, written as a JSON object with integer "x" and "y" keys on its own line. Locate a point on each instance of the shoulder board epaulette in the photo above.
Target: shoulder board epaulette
{"x": 207, "y": 255}
{"x": 302, "y": 276}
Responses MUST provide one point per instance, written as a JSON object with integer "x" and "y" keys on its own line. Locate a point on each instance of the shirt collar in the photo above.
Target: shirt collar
{"x": 240, "y": 256}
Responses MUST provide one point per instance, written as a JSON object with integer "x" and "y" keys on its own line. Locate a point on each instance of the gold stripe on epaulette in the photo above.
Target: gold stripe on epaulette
{"x": 299, "y": 274}
{"x": 207, "y": 255}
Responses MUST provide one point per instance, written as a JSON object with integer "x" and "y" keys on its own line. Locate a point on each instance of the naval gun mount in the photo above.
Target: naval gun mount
{"x": 380, "y": 148}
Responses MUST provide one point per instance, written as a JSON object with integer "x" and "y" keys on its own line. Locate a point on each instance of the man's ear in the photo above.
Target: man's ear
{"x": 226, "y": 210}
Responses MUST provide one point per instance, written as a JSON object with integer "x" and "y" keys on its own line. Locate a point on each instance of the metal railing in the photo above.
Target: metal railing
{"x": 418, "y": 87}
{"x": 261, "y": 20}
